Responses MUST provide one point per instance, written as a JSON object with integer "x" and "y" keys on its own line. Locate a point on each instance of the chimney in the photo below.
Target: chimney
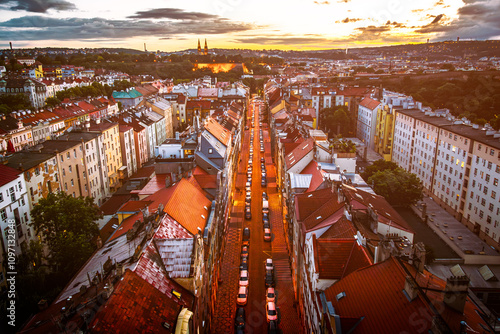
{"x": 42, "y": 305}
{"x": 455, "y": 293}
{"x": 419, "y": 256}
{"x": 410, "y": 288}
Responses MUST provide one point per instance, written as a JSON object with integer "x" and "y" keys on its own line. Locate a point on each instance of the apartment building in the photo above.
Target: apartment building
{"x": 367, "y": 121}
{"x": 458, "y": 163}
{"x": 127, "y": 146}
{"x": 112, "y": 151}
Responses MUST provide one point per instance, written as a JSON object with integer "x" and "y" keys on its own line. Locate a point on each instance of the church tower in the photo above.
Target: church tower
{"x": 199, "y": 47}
{"x": 206, "y": 47}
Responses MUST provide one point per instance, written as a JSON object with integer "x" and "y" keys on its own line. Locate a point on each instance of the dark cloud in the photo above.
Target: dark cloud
{"x": 37, "y": 6}
{"x": 322, "y": 2}
{"x": 348, "y": 20}
{"x": 172, "y": 13}
{"x": 439, "y": 3}
{"x": 477, "y": 19}
{"x": 437, "y": 19}
{"x": 395, "y": 24}
{"x": 99, "y": 28}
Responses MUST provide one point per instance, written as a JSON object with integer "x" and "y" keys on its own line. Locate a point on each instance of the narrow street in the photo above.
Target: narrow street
{"x": 260, "y": 250}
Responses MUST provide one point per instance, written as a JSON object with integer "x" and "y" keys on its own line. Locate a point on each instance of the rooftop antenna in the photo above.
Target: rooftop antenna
{"x": 145, "y": 50}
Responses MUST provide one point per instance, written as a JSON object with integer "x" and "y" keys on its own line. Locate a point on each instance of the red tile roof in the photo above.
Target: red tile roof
{"x": 170, "y": 229}
{"x": 355, "y": 91}
{"x": 134, "y": 206}
{"x": 292, "y": 158}
{"x": 202, "y": 104}
{"x": 144, "y": 172}
{"x": 307, "y": 203}
{"x": 199, "y": 171}
{"x": 156, "y": 183}
{"x": 336, "y": 258}
{"x": 151, "y": 269}
{"x": 218, "y": 131}
{"x": 8, "y": 174}
{"x": 114, "y": 203}
{"x": 375, "y": 293}
{"x": 126, "y": 225}
{"x": 206, "y": 181}
{"x": 187, "y": 206}
{"x": 386, "y": 213}
{"x": 369, "y": 103}
{"x": 136, "y": 306}
{"x": 329, "y": 212}
{"x": 317, "y": 175}
{"x": 343, "y": 228}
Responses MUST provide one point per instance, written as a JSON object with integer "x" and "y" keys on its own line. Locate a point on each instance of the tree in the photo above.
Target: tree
{"x": 398, "y": 187}
{"x": 52, "y": 102}
{"x": 379, "y": 165}
{"x": 67, "y": 226}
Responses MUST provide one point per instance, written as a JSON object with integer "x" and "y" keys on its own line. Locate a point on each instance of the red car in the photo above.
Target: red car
{"x": 242, "y": 296}
{"x": 271, "y": 313}
{"x": 267, "y": 234}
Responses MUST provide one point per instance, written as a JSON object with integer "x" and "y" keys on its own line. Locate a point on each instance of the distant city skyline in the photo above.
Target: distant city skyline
{"x": 174, "y": 25}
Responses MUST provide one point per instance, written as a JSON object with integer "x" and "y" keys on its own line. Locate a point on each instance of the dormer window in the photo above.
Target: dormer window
{"x": 210, "y": 151}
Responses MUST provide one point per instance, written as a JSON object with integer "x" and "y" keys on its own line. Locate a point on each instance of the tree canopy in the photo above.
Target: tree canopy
{"x": 398, "y": 187}
{"x": 335, "y": 120}
{"x": 379, "y": 165}
{"x": 67, "y": 226}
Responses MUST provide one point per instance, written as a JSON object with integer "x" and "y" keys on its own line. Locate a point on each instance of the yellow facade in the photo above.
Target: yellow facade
{"x": 278, "y": 107}
{"x": 384, "y": 132}
{"x": 112, "y": 150}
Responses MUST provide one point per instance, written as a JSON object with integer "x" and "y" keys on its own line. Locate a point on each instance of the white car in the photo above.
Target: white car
{"x": 269, "y": 264}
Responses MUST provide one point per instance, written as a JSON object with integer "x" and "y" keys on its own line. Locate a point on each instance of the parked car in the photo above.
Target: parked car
{"x": 263, "y": 183}
{"x": 243, "y": 278}
{"x": 246, "y": 127}
{"x": 269, "y": 278}
{"x": 244, "y": 251}
{"x": 272, "y": 327}
{"x": 248, "y": 212}
{"x": 244, "y": 263}
{"x": 264, "y": 195}
{"x": 271, "y": 313}
{"x": 242, "y": 295}
{"x": 270, "y": 295}
{"x": 265, "y": 206}
{"x": 262, "y": 160}
{"x": 239, "y": 319}
{"x": 267, "y": 234}
{"x": 269, "y": 264}
{"x": 246, "y": 236}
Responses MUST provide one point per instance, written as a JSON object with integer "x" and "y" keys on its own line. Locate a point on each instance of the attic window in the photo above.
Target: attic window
{"x": 319, "y": 217}
{"x": 340, "y": 295}
{"x": 202, "y": 216}
{"x": 487, "y": 274}
{"x": 305, "y": 147}
{"x": 205, "y": 207}
{"x": 310, "y": 195}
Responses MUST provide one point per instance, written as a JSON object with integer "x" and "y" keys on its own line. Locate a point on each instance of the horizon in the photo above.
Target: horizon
{"x": 267, "y": 50}
{"x": 234, "y": 24}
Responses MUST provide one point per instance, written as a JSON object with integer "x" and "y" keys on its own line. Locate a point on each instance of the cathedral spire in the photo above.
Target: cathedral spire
{"x": 206, "y": 47}
{"x": 199, "y": 46}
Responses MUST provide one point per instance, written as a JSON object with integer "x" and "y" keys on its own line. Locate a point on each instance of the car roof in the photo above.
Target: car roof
{"x": 271, "y": 305}
{"x": 243, "y": 287}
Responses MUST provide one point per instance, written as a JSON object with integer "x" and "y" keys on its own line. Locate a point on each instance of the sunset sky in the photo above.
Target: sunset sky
{"x": 172, "y": 25}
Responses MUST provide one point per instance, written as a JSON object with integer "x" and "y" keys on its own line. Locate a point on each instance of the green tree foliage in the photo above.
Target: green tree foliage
{"x": 379, "y": 165}
{"x": 67, "y": 226}
{"x": 475, "y": 97}
{"x": 335, "y": 120}
{"x": 52, "y": 102}
{"x": 398, "y": 187}
{"x": 13, "y": 102}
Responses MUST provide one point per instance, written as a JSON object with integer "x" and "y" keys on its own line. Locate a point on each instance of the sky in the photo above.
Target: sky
{"x": 173, "y": 25}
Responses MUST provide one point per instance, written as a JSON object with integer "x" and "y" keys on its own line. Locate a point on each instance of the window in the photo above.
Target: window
{"x": 495, "y": 182}
{"x": 493, "y": 194}
{"x": 64, "y": 172}
{"x": 210, "y": 151}
{"x": 485, "y": 190}
{"x": 65, "y": 186}
{"x": 72, "y": 183}
{"x": 481, "y": 214}
{"x": 3, "y": 214}
{"x": 69, "y": 168}
{"x": 67, "y": 155}
{"x": 491, "y": 207}
{"x": 12, "y": 194}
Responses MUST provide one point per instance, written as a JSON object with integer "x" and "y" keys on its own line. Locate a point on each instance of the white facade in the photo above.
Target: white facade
{"x": 127, "y": 145}
{"x": 15, "y": 212}
{"x": 95, "y": 160}
{"x": 167, "y": 151}
{"x": 367, "y": 121}
{"x": 458, "y": 163}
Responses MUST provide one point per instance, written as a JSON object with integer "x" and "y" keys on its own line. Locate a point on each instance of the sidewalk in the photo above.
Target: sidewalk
{"x": 464, "y": 242}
